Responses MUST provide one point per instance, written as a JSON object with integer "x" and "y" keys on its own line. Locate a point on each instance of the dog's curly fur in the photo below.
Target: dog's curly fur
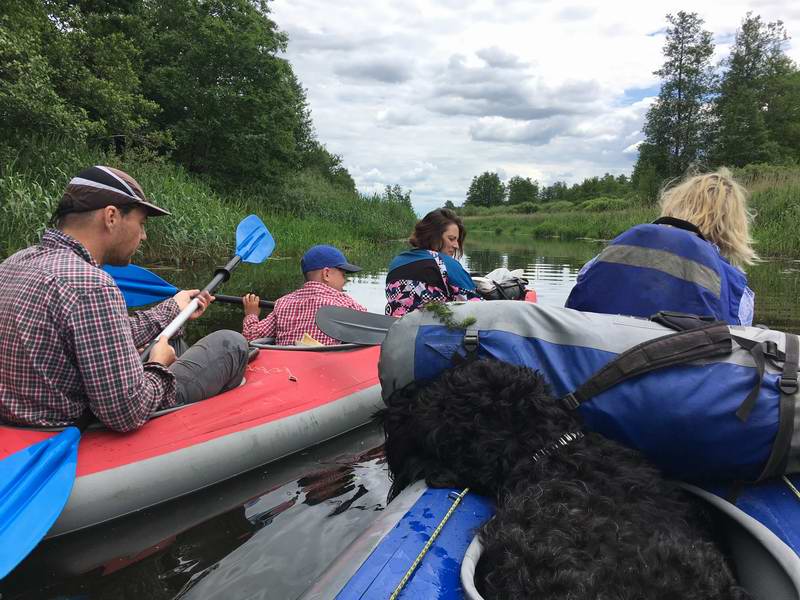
{"x": 591, "y": 520}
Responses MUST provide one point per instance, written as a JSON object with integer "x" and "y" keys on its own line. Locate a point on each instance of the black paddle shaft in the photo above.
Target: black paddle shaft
{"x": 222, "y": 274}
{"x": 238, "y": 300}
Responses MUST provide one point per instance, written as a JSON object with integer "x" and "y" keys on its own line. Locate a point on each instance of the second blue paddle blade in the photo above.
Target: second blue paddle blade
{"x": 139, "y": 286}
{"x": 254, "y": 242}
{"x": 35, "y": 484}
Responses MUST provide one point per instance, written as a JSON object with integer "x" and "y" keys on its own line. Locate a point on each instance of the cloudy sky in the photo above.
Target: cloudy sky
{"x": 429, "y": 93}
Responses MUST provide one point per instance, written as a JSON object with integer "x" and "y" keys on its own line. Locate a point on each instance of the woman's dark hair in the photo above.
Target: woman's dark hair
{"x": 429, "y": 230}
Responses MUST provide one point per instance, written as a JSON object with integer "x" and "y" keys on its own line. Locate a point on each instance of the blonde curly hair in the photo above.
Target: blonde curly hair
{"x": 717, "y": 205}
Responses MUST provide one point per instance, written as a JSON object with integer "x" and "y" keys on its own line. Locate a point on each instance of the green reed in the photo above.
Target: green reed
{"x": 307, "y": 211}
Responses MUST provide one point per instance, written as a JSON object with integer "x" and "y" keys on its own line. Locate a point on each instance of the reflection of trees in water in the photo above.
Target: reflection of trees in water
{"x": 193, "y": 561}
{"x": 485, "y": 255}
{"x": 339, "y": 480}
{"x": 776, "y": 283}
{"x": 173, "y": 567}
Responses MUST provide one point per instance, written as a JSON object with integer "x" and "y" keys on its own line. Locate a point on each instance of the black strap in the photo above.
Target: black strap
{"x": 778, "y": 457}
{"x": 501, "y": 291}
{"x": 680, "y": 224}
{"x": 471, "y": 341}
{"x": 756, "y": 350}
{"x": 790, "y": 365}
{"x": 673, "y": 349}
{"x": 679, "y": 321}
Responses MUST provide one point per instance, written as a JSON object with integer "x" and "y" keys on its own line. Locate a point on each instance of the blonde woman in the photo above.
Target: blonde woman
{"x": 689, "y": 260}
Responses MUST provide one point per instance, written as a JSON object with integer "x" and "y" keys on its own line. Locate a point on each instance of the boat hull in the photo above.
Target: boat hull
{"x": 290, "y": 400}
{"x": 374, "y": 565}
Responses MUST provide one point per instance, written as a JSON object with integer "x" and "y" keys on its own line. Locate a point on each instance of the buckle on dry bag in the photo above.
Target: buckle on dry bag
{"x": 788, "y": 384}
{"x": 471, "y": 341}
{"x": 570, "y": 402}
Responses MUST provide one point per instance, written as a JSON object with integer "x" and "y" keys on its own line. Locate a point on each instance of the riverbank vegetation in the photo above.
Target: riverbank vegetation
{"x": 195, "y": 100}
{"x": 775, "y": 201}
{"x": 307, "y": 209}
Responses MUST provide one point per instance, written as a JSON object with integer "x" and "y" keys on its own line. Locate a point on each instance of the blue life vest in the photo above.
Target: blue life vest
{"x": 652, "y": 268}
{"x": 456, "y": 272}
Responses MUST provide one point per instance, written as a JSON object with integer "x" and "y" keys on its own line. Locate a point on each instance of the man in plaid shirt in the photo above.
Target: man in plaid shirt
{"x": 325, "y": 269}
{"x": 67, "y": 343}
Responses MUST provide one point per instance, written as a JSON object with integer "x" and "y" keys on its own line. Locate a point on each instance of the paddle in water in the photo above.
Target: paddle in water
{"x": 36, "y": 482}
{"x": 140, "y": 286}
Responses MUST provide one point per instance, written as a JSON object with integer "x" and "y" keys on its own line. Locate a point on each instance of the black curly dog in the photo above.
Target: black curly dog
{"x": 588, "y": 518}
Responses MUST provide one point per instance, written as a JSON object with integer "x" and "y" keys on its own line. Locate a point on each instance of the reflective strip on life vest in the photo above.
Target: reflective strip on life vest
{"x": 666, "y": 262}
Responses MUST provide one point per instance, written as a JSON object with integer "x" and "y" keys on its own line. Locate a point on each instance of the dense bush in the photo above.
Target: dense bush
{"x": 524, "y": 208}
{"x": 604, "y": 204}
{"x": 558, "y": 206}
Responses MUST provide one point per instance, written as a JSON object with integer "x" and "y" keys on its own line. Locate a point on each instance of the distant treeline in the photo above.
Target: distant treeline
{"x": 743, "y": 111}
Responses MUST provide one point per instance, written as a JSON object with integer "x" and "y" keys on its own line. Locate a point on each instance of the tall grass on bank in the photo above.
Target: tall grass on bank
{"x": 308, "y": 211}
{"x": 566, "y": 225}
{"x": 775, "y": 200}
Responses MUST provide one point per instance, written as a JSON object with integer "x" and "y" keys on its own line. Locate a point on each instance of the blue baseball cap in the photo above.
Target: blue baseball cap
{"x": 319, "y": 257}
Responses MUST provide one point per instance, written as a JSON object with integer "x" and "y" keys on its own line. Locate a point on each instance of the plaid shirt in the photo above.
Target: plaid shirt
{"x": 67, "y": 342}
{"x": 294, "y": 314}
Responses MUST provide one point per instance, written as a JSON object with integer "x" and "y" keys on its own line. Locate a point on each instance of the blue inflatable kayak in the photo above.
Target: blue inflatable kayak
{"x": 376, "y": 564}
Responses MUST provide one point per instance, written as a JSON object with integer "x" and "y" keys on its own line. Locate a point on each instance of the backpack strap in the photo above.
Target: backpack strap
{"x": 677, "y": 348}
{"x": 679, "y": 321}
{"x": 781, "y": 447}
{"x": 672, "y": 354}
{"x": 756, "y": 350}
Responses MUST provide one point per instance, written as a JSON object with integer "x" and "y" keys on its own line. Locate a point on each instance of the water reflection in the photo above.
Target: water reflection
{"x": 285, "y": 523}
{"x": 551, "y": 266}
{"x": 309, "y": 523}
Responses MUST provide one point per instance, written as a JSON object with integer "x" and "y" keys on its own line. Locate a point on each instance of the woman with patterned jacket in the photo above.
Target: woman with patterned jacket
{"x": 430, "y": 271}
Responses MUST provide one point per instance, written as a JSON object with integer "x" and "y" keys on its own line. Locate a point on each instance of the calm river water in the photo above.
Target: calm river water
{"x": 272, "y": 532}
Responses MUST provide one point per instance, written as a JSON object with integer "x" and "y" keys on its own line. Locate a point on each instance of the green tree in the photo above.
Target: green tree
{"x": 486, "y": 190}
{"x": 396, "y": 194}
{"x": 233, "y": 107}
{"x": 30, "y": 104}
{"x": 93, "y": 52}
{"x": 449, "y": 204}
{"x": 677, "y": 125}
{"x": 315, "y": 157}
{"x": 783, "y": 116}
{"x": 522, "y": 190}
{"x": 744, "y": 106}
{"x": 646, "y": 181}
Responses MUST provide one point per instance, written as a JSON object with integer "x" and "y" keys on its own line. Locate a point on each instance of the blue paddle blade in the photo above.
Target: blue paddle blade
{"x": 254, "y": 242}
{"x": 35, "y": 484}
{"x": 139, "y": 286}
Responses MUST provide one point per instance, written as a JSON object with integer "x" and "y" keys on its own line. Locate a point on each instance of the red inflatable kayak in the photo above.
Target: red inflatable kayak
{"x": 292, "y": 398}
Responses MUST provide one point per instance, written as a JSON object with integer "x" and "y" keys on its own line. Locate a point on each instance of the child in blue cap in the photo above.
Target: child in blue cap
{"x": 325, "y": 269}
